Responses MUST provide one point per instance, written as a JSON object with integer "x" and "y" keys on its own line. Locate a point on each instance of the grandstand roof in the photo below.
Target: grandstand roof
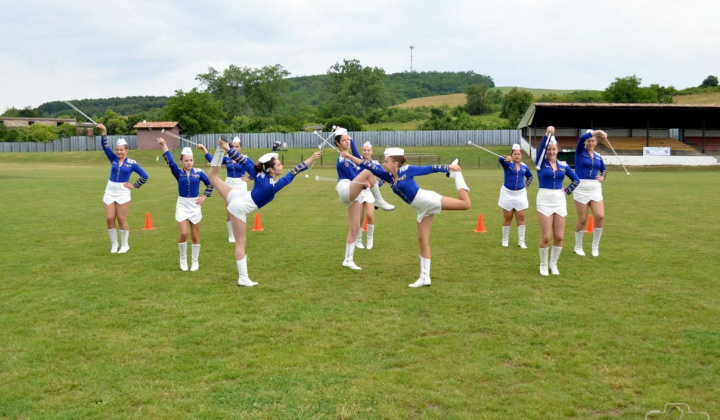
{"x": 606, "y": 115}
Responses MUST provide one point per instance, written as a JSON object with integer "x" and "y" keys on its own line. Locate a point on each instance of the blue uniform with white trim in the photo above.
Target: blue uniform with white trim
{"x": 549, "y": 178}
{"x": 514, "y": 177}
{"x": 586, "y": 166}
{"x": 121, "y": 172}
{"x": 264, "y": 188}
{"x": 406, "y": 188}
{"x": 347, "y": 169}
{"x": 188, "y": 184}
{"x": 234, "y": 169}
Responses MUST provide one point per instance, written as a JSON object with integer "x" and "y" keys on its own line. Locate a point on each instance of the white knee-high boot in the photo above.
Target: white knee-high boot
{"x": 424, "y": 279}
{"x": 554, "y": 257}
{"x": 597, "y": 234}
{"x": 182, "y": 246}
{"x": 578, "y": 243}
{"x": 124, "y": 247}
{"x": 113, "y": 240}
{"x": 349, "y": 252}
{"x": 505, "y": 236}
{"x": 521, "y": 236}
{"x": 243, "y": 278}
{"x": 195, "y": 257}
{"x": 544, "y": 262}
{"x": 370, "y": 234}
{"x": 380, "y": 202}
{"x": 231, "y": 235}
{"x": 358, "y": 241}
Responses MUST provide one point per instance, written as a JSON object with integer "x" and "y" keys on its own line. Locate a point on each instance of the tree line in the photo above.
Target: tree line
{"x": 266, "y": 99}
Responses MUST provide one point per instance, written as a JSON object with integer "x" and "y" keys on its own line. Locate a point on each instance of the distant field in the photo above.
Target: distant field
{"x": 460, "y": 98}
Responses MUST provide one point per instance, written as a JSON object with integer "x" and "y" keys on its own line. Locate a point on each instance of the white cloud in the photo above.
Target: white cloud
{"x": 84, "y": 49}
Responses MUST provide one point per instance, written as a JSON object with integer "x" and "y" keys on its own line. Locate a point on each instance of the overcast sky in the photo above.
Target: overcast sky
{"x": 82, "y": 49}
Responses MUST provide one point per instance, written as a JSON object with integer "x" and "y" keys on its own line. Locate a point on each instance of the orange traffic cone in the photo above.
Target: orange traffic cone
{"x": 258, "y": 225}
{"x": 480, "y": 225}
{"x": 591, "y": 224}
{"x": 148, "y": 222}
{"x": 365, "y": 227}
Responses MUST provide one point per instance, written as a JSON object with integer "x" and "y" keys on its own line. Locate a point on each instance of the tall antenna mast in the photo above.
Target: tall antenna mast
{"x": 411, "y": 57}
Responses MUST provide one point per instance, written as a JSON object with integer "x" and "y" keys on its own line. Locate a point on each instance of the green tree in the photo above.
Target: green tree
{"x": 346, "y": 121}
{"x": 628, "y": 90}
{"x": 514, "y": 105}
{"x": 22, "y": 113}
{"x": 197, "y": 112}
{"x": 248, "y": 91}
{"x": 114, "y": 122}
{"x": 41, "y": 133}
{"x": 710, "y": 81}
{"x": 356, "y": 90}
{"x": 479, "y": 100}
{"x": 67, "y": 130}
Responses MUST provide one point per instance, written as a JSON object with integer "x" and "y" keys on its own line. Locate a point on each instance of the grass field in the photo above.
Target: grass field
{"x": 89, "y": 334}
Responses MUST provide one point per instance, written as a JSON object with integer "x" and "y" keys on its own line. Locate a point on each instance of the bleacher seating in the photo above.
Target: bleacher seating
{"x": 636, "y": 144}
{"x": 712, "y": 144}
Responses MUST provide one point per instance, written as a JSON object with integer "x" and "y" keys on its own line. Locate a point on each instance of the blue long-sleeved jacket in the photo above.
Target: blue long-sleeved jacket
{"x": 234, "y": 169}
{"x": 406, "y": 188}
{"x": 514, "y": 177}
{"x": 188, "y": 184}
{"x": 346, "y": 168}
{"x": 586, "y": 166}
{"x": 264, "y": 187}
{"x": 121, "y": 173}
{"x": 553, "y": 179}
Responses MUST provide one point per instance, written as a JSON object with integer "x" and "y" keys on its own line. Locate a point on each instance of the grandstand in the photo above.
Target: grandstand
{"x": 687, "y": 130}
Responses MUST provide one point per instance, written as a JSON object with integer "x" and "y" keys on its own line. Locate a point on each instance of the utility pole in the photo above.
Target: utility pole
{"x": 411, "y": 57}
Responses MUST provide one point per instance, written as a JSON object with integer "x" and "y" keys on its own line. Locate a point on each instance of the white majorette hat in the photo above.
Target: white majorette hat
{"x": 516, "y": 147}
{"x": 394, "y": 151}
{"x": 588, "y": 131}
{"x": 236, "y": 139}
{"x": 339, "y": 131}
{"x": 367, "y": 144}
{"x": 552, "y": 140}
{"x": 267, "y": 157}
{"x": 186, "y": 151}
{"x": 121, "y": 142}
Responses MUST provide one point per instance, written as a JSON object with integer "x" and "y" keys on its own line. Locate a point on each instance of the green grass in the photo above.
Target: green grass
{"x": 88, "y": 334}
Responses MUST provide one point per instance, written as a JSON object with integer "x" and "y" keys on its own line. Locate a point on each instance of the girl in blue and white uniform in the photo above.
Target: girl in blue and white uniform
{"x": 117, "y": 191}
{"x": 367, "y": 203}
{"x": 513, "y": 194}
{"x": 188, "y": 207}
{"x": 401, "y": 179}
{"x": 240, "y": 203}
{"x": 236, "y": 177}
{"x": 551, "y": 203}
{"x": 590, "y": 168}
{"x": 347, "y": 171}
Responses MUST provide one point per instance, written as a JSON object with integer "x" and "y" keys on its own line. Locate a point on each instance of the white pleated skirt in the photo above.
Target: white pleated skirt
{"x": 588, "y": 190}
{"x": 115, "y": 192}
{"x": 427, "y": 203}
{"x": 186, "y": 208}
{"x": 551, "y": 202}
{"x": 240, "y": 203}
{"x": 237, "y": 184}
{"x": 510, "y": 199}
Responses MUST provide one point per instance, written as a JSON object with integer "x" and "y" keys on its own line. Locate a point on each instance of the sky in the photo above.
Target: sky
{"x": 83, "y": 49}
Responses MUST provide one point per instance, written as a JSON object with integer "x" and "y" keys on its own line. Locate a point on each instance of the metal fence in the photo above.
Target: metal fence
{"x": 300, "y": 140}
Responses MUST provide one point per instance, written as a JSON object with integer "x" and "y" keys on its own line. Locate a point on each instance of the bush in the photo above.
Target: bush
{"x": 346, "y": 121}
{"x": 39, "y": 133}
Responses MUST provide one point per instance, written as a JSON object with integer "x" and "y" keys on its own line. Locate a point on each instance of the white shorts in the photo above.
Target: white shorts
{"x": 427, "y": 203}
{"x": 237, "y": 184}
{"x": 187, "y": 209}
{"x": 343, "y": 189}
{"x": 240, "y": 203}
{"x": 366, "y": 196}
{"x": 115, "y": 192}
{"x": 588, "y": 190}
{"x": 551, "y": 202}
{"x": 510, "y": 199}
